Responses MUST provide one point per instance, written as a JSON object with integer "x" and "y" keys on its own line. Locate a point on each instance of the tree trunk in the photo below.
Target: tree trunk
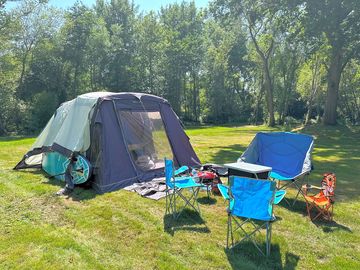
{"x": 258, "y": 100}
{"x": 195, "y": 97}
{"x": 333, "y": 82}
{"x": 314, "y": 88}
{"x": 269, "y": 94}
{"x": 308, "y": 114}
{"x": 22, "y": 75}
{"x": 268, "y": 83}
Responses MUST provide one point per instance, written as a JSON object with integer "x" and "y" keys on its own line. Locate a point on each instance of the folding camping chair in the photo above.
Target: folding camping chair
{"x": 175, "y": 187}
{"x": 250, "y": 201}
{"x": 289, "y": 155}
{"x": 323, "y": 201}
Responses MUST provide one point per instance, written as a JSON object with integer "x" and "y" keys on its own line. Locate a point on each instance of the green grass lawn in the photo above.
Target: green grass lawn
{"x": 121, "y": 230}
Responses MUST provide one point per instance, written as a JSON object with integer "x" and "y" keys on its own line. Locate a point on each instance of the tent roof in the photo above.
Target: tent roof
{"x": 122, "y": 95}
{"x": 69, "y": 127}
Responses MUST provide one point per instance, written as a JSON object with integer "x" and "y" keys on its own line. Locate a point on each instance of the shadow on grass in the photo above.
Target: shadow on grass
{"x": 228, "y": 153}
{"x": 81, "y": 192}
{"x": 189, "y": 220}
{"x": 245, "y": 255}
{"x": 14, "y": 138}
{"x": 298, "y": 205}
{"x": 207, "y": 200}
{"x": 331, "y": 226}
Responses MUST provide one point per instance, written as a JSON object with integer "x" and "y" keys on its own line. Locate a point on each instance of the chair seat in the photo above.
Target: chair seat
{"x": 318, "y": 200}
{"x": 280, "y": 177}
{"x": 184, "y": 182}
{"x": 231, "y": 207}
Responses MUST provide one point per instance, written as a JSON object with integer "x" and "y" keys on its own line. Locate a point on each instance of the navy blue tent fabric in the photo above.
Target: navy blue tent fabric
{"x": 184, "y": 154}
{"x": 129, "y": 135}
{"x": 289, "y": 154}
{"x": 117, "y": 168}
{"x": 252, "y": 198}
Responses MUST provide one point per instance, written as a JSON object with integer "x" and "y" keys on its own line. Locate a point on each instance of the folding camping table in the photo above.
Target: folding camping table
{"x": 248, "y": 170}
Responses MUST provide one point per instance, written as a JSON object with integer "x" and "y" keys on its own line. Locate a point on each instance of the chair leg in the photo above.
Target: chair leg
{"x": 294, "y": 182}
{"x": 268, "y": 238}
{"x": 332, "y": 212}
{"x": 191, "y": 201}
{"x": 167, "y": 201}
{"x": 321, "y": 212}
{"x": 174, "y": 202}
{"x": 195, "y": 202}
{"x": 228, "y": 231}
{"x": 231, "y": 231}
{"x": 299, "y": 191}
{"x": 308, "y": 209}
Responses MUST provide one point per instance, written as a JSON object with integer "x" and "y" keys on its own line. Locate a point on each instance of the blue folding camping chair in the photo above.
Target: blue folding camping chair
{"x": 250, "y": 201}
{"x": 175, "y": 186}
{"x": 289, "y": 155}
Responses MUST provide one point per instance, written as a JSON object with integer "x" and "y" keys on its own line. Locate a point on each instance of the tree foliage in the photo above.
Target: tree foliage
{"x": 236, "y": 61}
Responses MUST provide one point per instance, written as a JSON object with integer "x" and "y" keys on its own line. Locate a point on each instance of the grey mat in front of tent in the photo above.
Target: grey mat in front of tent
{"x": 154, "y": 189}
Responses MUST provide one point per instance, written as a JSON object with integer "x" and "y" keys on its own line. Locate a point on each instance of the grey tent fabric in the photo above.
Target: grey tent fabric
{"x": 125, "y": 136}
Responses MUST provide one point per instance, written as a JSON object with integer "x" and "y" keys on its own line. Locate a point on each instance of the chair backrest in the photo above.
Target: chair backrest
{"x": 169, "y": 170}
{"x": 328, "y": 184}
{"x": 252, "y": 198}
{"x": 287, "y": 153}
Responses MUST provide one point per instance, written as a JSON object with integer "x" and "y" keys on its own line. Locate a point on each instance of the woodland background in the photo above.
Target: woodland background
{"x": 236, "y": 61}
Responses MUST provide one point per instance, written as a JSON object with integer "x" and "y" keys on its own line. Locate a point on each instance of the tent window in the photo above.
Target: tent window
{"x": 146, "y": 138}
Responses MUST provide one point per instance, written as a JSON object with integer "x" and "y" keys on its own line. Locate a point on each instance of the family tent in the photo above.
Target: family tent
{"x": 124, "y": 136}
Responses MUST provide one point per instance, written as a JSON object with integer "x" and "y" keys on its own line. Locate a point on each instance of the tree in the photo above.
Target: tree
{"x": 350, "y": 93}
{"x": 148, "y": 54}
{"x": 119, "y": 17}
{"x": 259, "y": 17}
{"x": 33, "y": 25}
{"x": 335, "y": 22}
{"x": 182, "y": 48}
{"x": 311, "y": 83}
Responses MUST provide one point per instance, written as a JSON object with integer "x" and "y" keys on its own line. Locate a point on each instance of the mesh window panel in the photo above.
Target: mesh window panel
{"x": 146, "y": 138}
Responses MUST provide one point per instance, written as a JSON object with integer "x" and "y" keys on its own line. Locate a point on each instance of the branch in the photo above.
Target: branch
{"x": 253, "y": 38}
{"x": 268, "y": 52}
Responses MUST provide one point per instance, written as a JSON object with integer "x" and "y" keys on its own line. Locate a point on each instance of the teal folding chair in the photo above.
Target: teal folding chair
{"x": 175, "y": 186}
{"x": 250, "y": 202}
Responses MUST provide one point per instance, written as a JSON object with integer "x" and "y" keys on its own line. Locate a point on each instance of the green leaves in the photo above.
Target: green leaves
{"x": 234, "y": 61}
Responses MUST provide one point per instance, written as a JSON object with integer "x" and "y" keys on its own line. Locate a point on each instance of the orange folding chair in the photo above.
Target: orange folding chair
{"x": 323, "y": 201}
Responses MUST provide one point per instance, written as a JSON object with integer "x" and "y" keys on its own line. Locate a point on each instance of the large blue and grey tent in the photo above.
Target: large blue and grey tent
{"x": 124, "y": 136}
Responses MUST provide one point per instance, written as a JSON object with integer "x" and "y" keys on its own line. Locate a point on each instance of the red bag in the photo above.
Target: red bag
{"x": 210, "y": 178}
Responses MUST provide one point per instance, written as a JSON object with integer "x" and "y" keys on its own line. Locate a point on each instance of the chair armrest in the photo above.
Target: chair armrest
{"x": 182, "y": 169}
{"x": 279, "y": 195}
{"x": 308, "y": 187}
{"x": 316, "y": 187}
{"x": 224, "y": 190}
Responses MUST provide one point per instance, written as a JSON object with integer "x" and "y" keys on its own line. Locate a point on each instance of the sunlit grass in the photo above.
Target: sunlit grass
{"x": 121, "y": 230}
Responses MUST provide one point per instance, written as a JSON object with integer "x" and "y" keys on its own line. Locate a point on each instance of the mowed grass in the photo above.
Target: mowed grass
{"x": 121, "y": 230}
